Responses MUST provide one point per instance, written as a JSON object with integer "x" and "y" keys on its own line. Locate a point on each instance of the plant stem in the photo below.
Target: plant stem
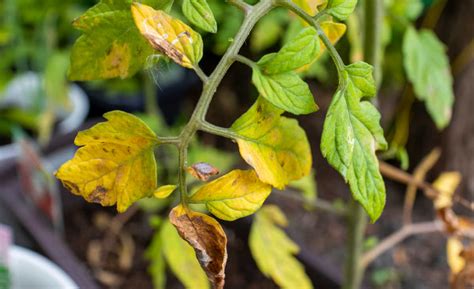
{"x": 357, "y": 223}
{"x": 151, "y": 105}
{"x": 397, "y": 237}
{"x": 197, "y": 120}
{"x": 244, "y": 60}
{"x": 241, "y": 5}
{"x": 373, "y": 19}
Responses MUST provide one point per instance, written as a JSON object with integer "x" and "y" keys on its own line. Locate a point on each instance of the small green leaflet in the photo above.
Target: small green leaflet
{"x": 352, "y": 134}
{"x": 299, "y": 51}
{"x": 341, "y": 9}
{"x": 427, "y": 67}
{"x": 285, "y": 90}
{"x": 274, "y": 252}
{"x": 200, "y": 14}
{"x": 110, "y": 45}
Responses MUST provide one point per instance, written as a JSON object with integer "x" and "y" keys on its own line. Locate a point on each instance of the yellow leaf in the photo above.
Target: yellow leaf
{"x": 334, "y": 31}
{"x": 164, "y": 191}
{"x": 207, "y": 238}
{"x": 446, "y": 184}
{"x": 274, "y": 252}
{"x": 310, "y": 6}
{"x": 275, "y": 146}
{"x": 456, "y": 262}
{"x": 168, "y": 35}
{"x": 181, "y": 259}
{"x": 115, "y": 163}
{"x": 234, "y": 195}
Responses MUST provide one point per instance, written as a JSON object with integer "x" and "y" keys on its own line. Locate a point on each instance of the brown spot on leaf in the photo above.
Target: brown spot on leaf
{"x": 70, "y": 186}
{"x": 202, "y": 171}
{"x": 207, "y": 238}
{"x": 98, "y": 195}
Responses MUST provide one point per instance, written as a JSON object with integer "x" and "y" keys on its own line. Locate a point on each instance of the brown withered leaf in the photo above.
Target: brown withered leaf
{"x": 202, "y": 171}
{"x": 207, "y": 238}
{"x": 463, "y": 277}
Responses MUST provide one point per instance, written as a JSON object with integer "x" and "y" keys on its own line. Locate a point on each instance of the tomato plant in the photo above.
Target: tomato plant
{"x": 116, "y": 165}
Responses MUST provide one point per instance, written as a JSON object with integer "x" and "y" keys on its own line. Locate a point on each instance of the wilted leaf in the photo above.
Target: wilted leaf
{"x": 341, "y": 9}
{"x": 202, "y": 171}
{"x": 181, "y": 259}
{"x": 285, "y": 90}
{"x": 427, "y": 67}
{"x": 234, "y": 195}
{"x": 115, "y": 163}
{"x": 111, "y": 45}
{"x": 446, "y": 184}
{"x": 299, "y": 51}
{"x": 275, "y": 146}
{"x": 164, "y": 191}
{"x": 207, "y": 238}
{"x": 200, "y": 14}
{"x": 334, "y": 31}
{"x": 274, "y": 252}
{"x": 168, "y": 35}
{"x": 454, "y": 248}
{"x": 352, "y": 134}
{"x": 310, "y": 6}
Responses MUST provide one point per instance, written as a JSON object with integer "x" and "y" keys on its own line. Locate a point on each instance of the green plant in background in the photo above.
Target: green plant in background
{"x": 35, "y": 39}
{"x": 116, "y": 164}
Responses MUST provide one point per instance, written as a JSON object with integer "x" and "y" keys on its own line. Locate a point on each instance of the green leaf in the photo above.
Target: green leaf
{"x": 352, "y": 134}
{"x": 181, "y": 259}
{"x": 274, "y": 252}
{"x": 299, "y": 51}
{"x": 275, "y": 146}
{"x": 115, "y": 163}
{"x": 286, "y": 91}
{"x": 268, "y": 30}
{"x": 427, "y": 67}
{"x": 157, "y": 267}
{"x": 233, "y": 196}
{"x": 200, "y": 14}
{"x": 341, "y": 9}
{"x": 308, "y": 187}
{"x": 111, "y": 45}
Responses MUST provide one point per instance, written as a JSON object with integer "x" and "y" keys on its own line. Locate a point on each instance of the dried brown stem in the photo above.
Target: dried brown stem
{"x": 397, "y": 237}
{"x": 419, "y": 174}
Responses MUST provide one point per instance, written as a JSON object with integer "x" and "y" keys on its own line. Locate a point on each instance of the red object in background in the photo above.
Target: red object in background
{"x": 38, "y": 184}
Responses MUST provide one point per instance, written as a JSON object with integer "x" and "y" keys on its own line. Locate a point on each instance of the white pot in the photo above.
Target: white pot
{"x": 29, "y": 270}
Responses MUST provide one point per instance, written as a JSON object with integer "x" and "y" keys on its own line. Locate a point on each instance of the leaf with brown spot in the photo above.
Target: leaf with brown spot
{"x": 234, "y": 195}
{"x": 202, "y": 171}
{"x": 115, "y": 163}
{"x": 168, "y": 35}
{"x": 207, "y": 238}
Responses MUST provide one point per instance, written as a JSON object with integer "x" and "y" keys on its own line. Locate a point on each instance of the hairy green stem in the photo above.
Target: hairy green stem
{"x": 197, "y": 120}
{"x": 245, "y": 60}
{"x": 241, "y": 5}
{"x": 373, "y": 17}
{"x": 357, "y": 223}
